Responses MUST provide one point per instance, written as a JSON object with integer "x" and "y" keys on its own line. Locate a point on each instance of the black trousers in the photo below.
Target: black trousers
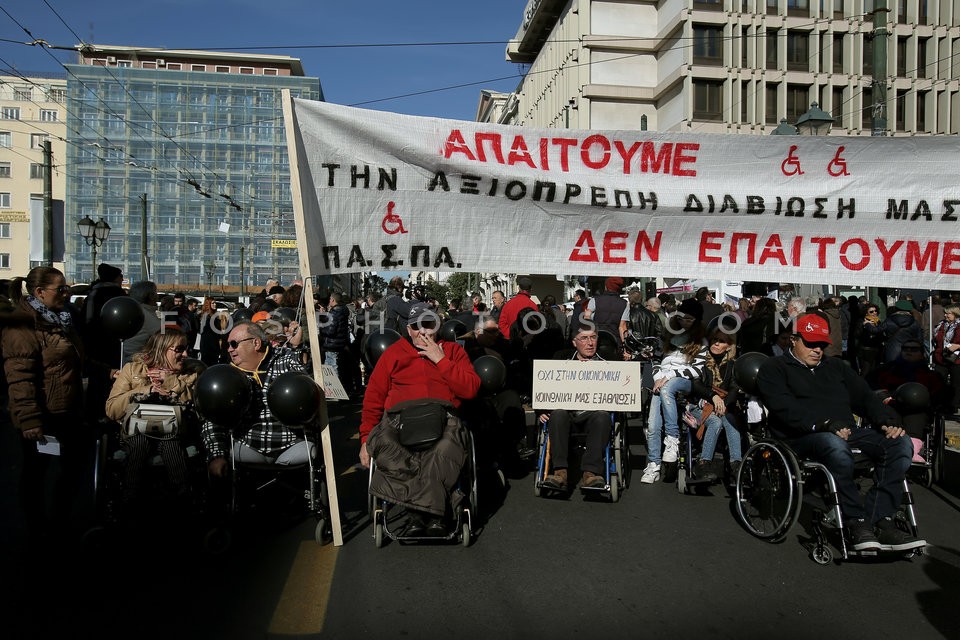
{"x": 596, "y": 424}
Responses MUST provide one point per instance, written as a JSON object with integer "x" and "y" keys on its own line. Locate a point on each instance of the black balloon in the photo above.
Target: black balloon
{"x": 911, "y": 398}
{"x": 608, "y": 346}
{"x": 223, "y": 394}
{"x": 377, "y": 343}
{"x": 294, "y": 398}
{"x": 287, "y": 314}
{"x": 492, "y": 372}
{"x": 121, "y": 317}
{"x": 242, "y": 315}
{"x": 451, "y": 330}
{"x": 745, "y": 369}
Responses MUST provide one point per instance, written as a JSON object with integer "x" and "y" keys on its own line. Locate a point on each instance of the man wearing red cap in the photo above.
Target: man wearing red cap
{"x": 812, "y": 399}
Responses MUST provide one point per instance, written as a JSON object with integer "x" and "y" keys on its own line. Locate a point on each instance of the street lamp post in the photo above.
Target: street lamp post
{"x": 209, "y": 269}
{"x": 815, "y": 122}
{"x": 94, "y": 234}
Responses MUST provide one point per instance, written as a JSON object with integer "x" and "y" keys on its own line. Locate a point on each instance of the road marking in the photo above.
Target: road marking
{"x": 302, "y": 607}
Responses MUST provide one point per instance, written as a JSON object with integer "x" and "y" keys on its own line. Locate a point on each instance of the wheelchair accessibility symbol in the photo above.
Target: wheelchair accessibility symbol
{"x": 791, "y": 165}
{"x": 392, "y": 223}
{"x": 838, "y": 166}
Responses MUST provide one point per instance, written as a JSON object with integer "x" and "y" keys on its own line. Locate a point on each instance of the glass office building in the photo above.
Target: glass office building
{"x": 192, "y": 142}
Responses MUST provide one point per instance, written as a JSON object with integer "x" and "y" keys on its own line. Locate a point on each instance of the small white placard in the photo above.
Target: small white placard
{"x": 332, "y": 388}
{"x": 49, "y": 445}
{"x": 592, "y": 385}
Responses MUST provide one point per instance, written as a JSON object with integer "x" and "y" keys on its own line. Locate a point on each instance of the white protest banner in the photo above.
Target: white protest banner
{"x": 388, "y": 191}
{"x": 590, "y": 385}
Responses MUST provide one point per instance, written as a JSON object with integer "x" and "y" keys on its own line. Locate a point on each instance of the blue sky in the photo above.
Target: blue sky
{"x": 348, "y": 75}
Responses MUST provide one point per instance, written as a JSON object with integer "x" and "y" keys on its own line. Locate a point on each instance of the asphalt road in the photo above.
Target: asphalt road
{"x": 656, "y": 564}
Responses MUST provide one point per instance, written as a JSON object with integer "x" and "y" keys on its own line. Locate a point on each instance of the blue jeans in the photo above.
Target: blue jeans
{"x": 891, "y": 457}
{"x": 663, "y": 417}
{"x": 712, "y": 433}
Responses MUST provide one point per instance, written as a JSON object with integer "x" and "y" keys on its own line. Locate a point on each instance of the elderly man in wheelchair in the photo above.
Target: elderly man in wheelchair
{"x": 811, "y": 400}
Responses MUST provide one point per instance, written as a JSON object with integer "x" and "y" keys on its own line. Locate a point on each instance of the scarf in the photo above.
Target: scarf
{"x": 62, "y": 319}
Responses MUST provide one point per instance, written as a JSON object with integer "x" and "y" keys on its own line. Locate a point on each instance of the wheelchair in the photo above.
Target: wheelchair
{"x": 616, "y": 460}
{"x": 249, "y": 480}
{"x": 770, "y": 492}
{"x": 687, "y": 481}
{"x": 390, "y": 519}
{"x": 933, "y": 436}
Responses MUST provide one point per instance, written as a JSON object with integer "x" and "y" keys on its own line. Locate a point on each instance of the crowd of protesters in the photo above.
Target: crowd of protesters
{"x": 51, "y": 344}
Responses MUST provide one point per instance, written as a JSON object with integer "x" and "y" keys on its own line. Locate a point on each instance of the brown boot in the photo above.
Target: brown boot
{"x": 591, "y": 480}
{"x": 556, "y": 480}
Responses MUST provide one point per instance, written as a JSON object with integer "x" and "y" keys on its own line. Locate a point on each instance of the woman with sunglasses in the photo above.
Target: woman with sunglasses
{"x": 156, "y": 375}
{"x": 870, "y": 339}
{"x": 42, "y": 361}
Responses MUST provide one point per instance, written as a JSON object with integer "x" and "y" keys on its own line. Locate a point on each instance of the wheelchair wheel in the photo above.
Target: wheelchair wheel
{"x": 321, "y": 535}
{"x": 821, "y": 555}
{"x": 768, "y": 497}
{"x": 465, "y": 534}
{"x": 378, "y": 529}
{"x": 217, "y": 540}
{"x": 682, "y": 480}
{"x": 939, "y": 449}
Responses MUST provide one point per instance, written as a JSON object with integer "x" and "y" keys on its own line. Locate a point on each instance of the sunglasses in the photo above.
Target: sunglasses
{"x": 62, "y": 289}
{"x": 233, "y": 344}
{"x": 424, "y": 325}
{"x": 814, "y": 345}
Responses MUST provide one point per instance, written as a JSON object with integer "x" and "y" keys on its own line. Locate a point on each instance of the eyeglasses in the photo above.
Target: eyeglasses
{"x": 61, "y": 289}
{"x": 233, "y": 344}
{"x": 587, "y": 338}
{"x": 180, "y": 348}
{"x": 814, "y": 345}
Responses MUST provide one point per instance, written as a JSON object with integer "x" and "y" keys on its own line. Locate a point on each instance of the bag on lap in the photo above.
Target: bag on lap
{"x": 420, "y": 424}
{"x": 152, "y": 420}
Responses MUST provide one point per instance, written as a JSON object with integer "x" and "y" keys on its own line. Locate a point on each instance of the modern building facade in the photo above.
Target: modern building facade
{"x": 32, "y": 111}
{"x": 733, "y": 66}
{"x": 192, "y": 142}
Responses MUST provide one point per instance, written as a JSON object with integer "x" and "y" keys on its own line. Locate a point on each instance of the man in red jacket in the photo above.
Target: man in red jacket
{"x": 417, "y": 368}
{"x": 511, "y": 310}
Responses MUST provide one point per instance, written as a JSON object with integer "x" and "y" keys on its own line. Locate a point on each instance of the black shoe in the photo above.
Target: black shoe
{"x": 861, "y": 536}
{"x": 703, "y": 470}
{"x": 436, "y": 529}
{"x": 892, "y": 538}
{"x": 416, "y": 526}
{"x": 524, "y": 452}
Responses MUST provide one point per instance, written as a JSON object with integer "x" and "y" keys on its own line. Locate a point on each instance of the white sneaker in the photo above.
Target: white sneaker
{"x": 651, "y": 473}
{"x": 671, "y": 447}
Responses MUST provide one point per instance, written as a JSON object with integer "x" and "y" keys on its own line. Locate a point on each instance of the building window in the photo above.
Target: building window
{"x": 798, "y": 51}
{"x": 922, "y": 111}
{"x": 771, "y": 48}
{"x": 49, "y": 115}
{"x": 744, "y": 101}
{"x": 902, "y": 57}
{"x": 744, "y": 47}
{"x": 173, "y": 66}
{"x": 707, "y": 100}
{"x": 867, "y": 56}
{"x": 837, "y": 54}
{"x": 37, "y": 171}
{"x": 771, "y": 7}
{"x": 57, "y": 95}
{"x": 901, "y": 11}
{"x": 5, "y": 139}
{"x": 707, "y": 45}
{"x": 4, "y": 200}
{"x": 4, "y": 169}
{"x": 22, "y": 94}
{"x": 901, "y": 119}
{"x": 922, "y": 57}
{"x": 271, "y": 72}
{"x": 124, "y": 64}
{"x": 798, "y": 8}
{"x": 838, "y": 105}
{"x": 708, "y": 5}
{"x": 248, "y": 71}
{"x": 922, "y": 12}
{"x": 4, "y": 260}
{"x": 198, "y": 67}
{"x": 222, "y": 69}
{"x": 798, "y": 97}
{"x": 37, "y": 140}
{"x": 10, "y": 113}
{"x": 5, "y": 230}
{"x": 148, "y": 65}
